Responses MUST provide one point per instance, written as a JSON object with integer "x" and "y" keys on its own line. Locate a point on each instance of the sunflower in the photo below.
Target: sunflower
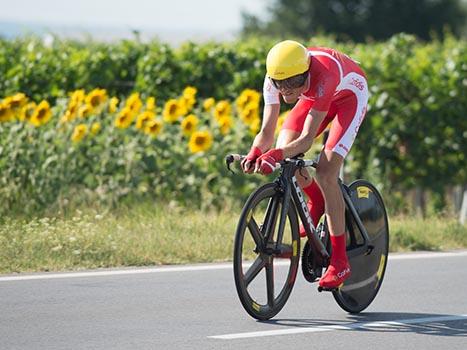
{"x": 95, "y": 128}
{"x": 124, "y": 118}
{"x": 143, "y": 118}
{"x": 255, "y": 126}
{"x": 85, "y": 111}
{"x": 79, "y": 132}
{"x": 42, "y": 114}
{"x": 96, "y": 98}
{"x": 182, "y": 106}
{"x": 27, "y": 111}
{"x": 113, "y": 104}
{"x": 134, "y": 102}
{"x": 225, "y": 124}
{"x": 247, "y": 97}
{"x": 222, "y": 109}
{"x": 16, "y": 101}
{"x": 171, "y": 111}
{"x": 71, "y": 112}
{"x": 187, "y": 104}
{"x": 151, "y": 104}
{"x": 153, "y": 127}
{"x": 200, "y": 141}
{"x": 209, "y": 103}
{"x": 189, "y": 124}
{"x": 189, "y": 92}
{"x": 6, "y": 114}
{"x": 78, "y": 96}
{"x": 249, "y": 114}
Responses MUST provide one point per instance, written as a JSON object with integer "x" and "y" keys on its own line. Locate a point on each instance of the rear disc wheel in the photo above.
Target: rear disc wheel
{"x": 368, "y": 269}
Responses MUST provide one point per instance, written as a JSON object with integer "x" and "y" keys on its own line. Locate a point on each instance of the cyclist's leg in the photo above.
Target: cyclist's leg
{"x": 326, "y": 174}
{"x": 350, "y": 114}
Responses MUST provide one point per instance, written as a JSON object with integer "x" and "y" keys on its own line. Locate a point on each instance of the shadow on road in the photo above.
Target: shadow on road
{"x": 396, "y": 322}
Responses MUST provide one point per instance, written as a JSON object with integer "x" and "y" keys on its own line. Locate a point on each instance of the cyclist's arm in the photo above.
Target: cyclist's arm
{"x": 303, "y": 143}
{"x": 265, "y": 138}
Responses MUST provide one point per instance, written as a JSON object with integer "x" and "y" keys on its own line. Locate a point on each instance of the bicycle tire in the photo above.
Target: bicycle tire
{"x": 368, "y": 270}
{"x": 251, "y": 303}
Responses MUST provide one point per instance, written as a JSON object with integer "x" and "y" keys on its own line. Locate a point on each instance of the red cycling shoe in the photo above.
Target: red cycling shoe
{"x": 337, "y": 272}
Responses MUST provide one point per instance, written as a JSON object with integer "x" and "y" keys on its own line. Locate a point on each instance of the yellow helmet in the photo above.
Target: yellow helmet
{"x": 286, "y": 59}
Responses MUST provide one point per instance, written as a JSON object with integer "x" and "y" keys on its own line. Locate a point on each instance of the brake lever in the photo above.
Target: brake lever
{"x": 228, "y": 161}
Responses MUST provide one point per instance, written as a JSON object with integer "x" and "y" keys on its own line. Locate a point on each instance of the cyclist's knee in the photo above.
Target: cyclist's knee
{"x": 325, "y": 177}
{"x": 328, "y": 169}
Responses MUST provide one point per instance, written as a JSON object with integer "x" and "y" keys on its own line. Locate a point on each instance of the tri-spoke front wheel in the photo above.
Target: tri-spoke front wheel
{"x": 264, "y": 268}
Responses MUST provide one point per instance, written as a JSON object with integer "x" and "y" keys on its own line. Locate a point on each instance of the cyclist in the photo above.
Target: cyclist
{"x": 325, "y": 85}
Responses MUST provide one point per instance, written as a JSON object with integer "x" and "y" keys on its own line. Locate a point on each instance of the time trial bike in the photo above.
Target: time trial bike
{"x": 267, "y": 243}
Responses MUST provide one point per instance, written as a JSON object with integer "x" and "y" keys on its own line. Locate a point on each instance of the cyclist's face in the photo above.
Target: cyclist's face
{"x": 291, "y": 94}
{"x": 291, "y": 88}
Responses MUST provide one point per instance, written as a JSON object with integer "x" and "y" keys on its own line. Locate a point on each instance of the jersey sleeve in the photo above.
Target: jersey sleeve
{"x": 270, "y": 93}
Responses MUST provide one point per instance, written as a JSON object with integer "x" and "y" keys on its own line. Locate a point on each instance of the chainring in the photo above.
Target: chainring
{"x": 312, "y": 263}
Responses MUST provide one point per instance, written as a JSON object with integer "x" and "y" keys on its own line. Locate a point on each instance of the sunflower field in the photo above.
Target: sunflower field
{"x": 92, "y": 146}
{"x": 85, "y": 122}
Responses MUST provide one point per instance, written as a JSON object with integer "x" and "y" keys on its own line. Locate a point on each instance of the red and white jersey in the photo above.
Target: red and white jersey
{"x": 333, "y": 75}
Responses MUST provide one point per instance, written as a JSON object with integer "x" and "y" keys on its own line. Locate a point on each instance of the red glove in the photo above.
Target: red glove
{"x": 267, "y": 162}
{"x": 249, "y": 161}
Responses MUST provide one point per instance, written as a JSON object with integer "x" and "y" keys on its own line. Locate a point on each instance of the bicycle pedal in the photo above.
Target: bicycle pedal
{"x": 324, "y": 289}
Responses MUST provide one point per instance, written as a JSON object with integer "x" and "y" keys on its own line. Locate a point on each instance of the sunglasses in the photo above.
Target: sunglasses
{"x": 290, "y": 83}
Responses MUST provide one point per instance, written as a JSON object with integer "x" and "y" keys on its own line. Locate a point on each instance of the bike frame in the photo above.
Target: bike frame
{"x": 290, "y": 190}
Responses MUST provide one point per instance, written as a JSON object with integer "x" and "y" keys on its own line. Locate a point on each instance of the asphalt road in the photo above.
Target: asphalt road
{"x": 422, "y": 304}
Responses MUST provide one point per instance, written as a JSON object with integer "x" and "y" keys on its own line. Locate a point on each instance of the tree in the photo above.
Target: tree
{"x": 359, "y": 20}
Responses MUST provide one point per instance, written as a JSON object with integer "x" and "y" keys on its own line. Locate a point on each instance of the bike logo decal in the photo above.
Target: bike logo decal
{"x": 343, "y": 273}
{"x": 303, "y": 204}
{"x": 341, "y": 145}
{"x": 363, "y": 192}
{"x": 357, "y": 83}
{"x": 320, "y": 92}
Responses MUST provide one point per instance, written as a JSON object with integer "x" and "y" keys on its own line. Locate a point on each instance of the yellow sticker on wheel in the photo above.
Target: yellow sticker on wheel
{"x": 256, "y": 306}
{"x": 294, "y": 248}
{"x": 380, "y": 268}
{"x": 363, "y": 192}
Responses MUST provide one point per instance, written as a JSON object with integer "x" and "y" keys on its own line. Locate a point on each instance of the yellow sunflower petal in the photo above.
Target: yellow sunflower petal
{"x": 200, "y": 141}
{"x": 189, "y": 124}
{"x": 41, "y": 114}
{"x": 79, "y": 132}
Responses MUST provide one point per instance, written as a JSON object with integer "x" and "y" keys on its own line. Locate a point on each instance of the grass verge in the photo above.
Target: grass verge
{"x": 153, "y": 235}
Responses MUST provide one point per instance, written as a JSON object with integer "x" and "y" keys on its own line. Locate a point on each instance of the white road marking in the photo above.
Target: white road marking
{"x": 116, "y": 272}
{"x": 191, "y": 268}
{"x": 426, "y": 255}
{"x": 350, "y": 326}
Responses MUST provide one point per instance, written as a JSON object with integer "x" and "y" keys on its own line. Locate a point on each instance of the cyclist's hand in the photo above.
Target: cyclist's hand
{"x": 267, "y": 162}
{"x": 248, "y": 163}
